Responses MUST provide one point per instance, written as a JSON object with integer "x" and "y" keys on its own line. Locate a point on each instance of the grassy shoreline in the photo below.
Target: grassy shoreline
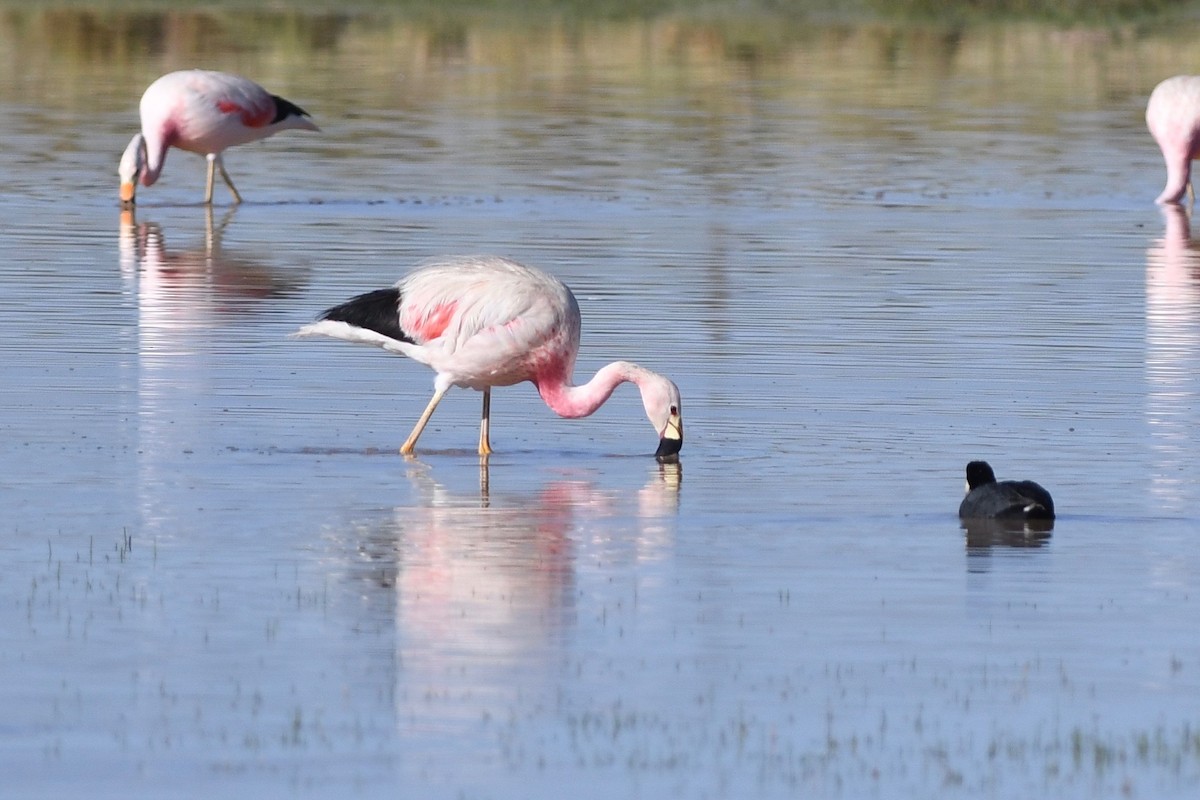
{"x": 809, "y": 11}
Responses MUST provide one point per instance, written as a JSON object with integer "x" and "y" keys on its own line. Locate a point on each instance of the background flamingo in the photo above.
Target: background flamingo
{"x": 1173, "y": 117}
{"x": 203, "y": 112}
{"x": 484, "y": 321}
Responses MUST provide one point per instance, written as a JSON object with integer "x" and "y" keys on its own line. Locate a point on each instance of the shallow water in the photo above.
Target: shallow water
{"x": 864, "y": 259}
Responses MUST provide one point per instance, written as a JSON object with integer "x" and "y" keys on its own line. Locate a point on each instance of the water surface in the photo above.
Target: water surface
{"x": 866, "y": 256}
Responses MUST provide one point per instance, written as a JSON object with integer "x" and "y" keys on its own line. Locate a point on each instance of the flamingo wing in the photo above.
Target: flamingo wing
{"x": 243, "y": 100}
{"x": 204, "y": 112}
{"x": 220, "y": 110}
{"x": 491, "y": 326}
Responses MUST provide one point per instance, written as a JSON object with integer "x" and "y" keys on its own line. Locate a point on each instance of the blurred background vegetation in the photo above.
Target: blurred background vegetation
{"x": 101, "y": 52}
{"x": 846, "y": 11}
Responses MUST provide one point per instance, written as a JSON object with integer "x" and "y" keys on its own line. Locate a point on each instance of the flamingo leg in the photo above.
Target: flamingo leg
{"x": 208, "y": 185}
{"x": 215, "y": 162}
{"x": 237, "y": 198}
{"x": 485, "y": 424}
{"x": 411, "y": 441}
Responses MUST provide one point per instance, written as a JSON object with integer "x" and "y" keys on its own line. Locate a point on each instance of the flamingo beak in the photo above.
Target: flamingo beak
{"x": 127, "y": 194}
{"x": 671, "y": 442}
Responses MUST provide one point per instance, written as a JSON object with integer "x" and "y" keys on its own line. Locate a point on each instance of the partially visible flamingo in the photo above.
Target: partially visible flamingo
{"x": 484, "y": 321}
{"x": 1173, "y": 117}
{"x": 203, "y": 112}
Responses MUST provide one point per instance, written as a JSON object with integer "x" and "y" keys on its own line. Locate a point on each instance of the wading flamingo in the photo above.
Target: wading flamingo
{"x": 1173, "y": 117}
{"x": 203, "y": 112}
{"x": 484, "y": 321}
{"x": 988, "y": 498}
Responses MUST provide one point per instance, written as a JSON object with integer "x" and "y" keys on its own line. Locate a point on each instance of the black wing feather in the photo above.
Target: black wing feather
{"x": 286, "y": 108}
{"x": 377, "y": 311}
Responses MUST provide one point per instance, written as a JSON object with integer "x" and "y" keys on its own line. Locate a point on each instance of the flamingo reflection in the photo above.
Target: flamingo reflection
{"x": 184, "y": 296}
{"x": 184, "y": 287}
{"x": 486, "y": 583}
{"x": 1173, "y": 359}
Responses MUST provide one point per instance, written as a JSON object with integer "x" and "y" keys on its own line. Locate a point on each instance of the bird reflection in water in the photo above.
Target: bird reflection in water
{"x": 189, "y": 284}
{"x": 984, "y": 537}
{"x": 1173, "y": 359}
{"x": 486, "y": 584}
{"x": 986, "y": 533}
{"x": 185, "y": 297}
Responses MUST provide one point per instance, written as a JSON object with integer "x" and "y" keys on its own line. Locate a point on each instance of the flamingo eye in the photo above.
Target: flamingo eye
{"x": 674, "y": 411}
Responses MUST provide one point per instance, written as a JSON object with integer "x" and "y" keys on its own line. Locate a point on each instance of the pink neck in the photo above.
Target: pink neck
{"x": 1178, "y": 175}
{"x": 156, "y": 146}
{"x": 580, "y": 401}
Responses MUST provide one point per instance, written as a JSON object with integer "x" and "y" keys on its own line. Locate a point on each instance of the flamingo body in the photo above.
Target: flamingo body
{"x": 1173, "y": 117}
{"x": 484, "y": 321}
{"x": 988, "y": 498}
{"x": 204, "y": 112}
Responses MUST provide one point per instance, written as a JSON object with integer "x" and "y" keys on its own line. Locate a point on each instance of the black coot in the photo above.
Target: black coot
{"x": 988, "y": 498}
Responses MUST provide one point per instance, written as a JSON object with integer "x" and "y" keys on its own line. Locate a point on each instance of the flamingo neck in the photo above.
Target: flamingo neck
{"x": 156, "y": 156}
{"x": 572, "y": 402}
{"x": 1179, "y": 173}
{"x": 148, "y": 151}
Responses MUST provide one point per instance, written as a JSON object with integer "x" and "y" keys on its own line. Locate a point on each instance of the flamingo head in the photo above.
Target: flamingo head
{"x": 131, "y": 168}
{"x": 664, "y": 408}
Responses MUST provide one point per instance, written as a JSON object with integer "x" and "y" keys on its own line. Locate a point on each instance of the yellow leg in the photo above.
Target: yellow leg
{"x": 485, "y": 445}
{"x": 411, "y": 442}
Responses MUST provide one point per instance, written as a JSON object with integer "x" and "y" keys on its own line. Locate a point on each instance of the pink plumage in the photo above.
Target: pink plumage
{"x": 1173, "y": 117}
{"x": 203, "y": 112}
{"x": 484, "y": 321}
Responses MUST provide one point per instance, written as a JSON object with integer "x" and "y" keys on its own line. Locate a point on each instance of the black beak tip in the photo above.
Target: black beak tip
{"x": 668, "y": 451}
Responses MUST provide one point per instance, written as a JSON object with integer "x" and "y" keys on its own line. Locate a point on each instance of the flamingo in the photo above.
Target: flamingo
{"x": 1173, "y": 117}
{"x": 988, "y": 498}
{"x": 484, "y": 321}
{"x": 203, "y": 112}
